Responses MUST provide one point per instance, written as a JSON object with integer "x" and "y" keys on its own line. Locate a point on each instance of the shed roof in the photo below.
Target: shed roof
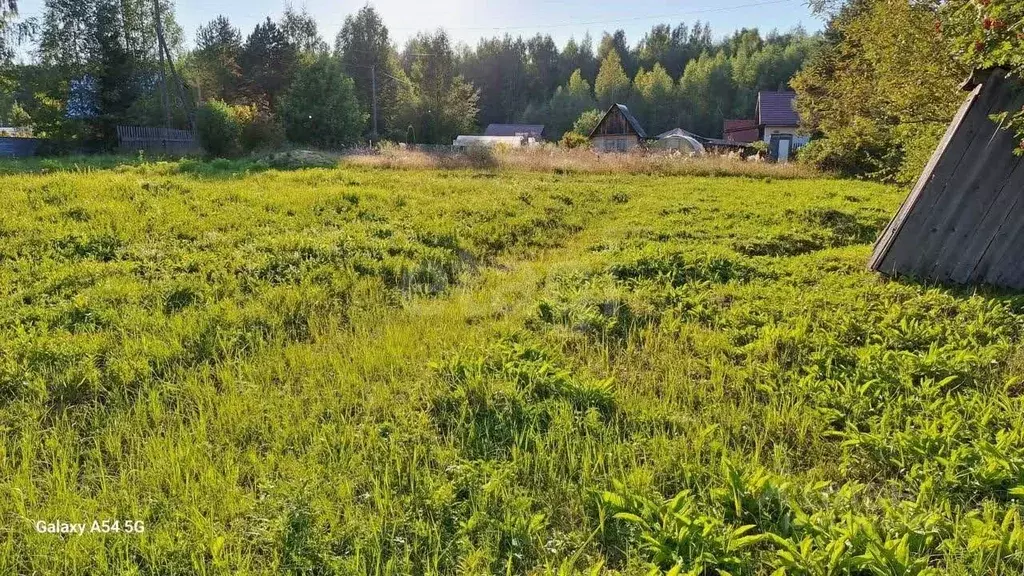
{"x": 534, "y": 130}
{"x": 633, "y": 123}
{"x": 776, "y": 109}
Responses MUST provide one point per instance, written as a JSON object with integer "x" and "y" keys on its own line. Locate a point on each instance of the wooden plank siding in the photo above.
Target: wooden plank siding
{"x": 964, "y": 220}
{"x": 153, "y": 140}
{"x": 12, "y": 147}
{"x": 614, "y": 124}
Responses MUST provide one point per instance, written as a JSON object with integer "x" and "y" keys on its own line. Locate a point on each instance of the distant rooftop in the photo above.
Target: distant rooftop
{"x": 776, "y": 109}
{"x": 743, "y": 130}
{"x": 534, "y": 130}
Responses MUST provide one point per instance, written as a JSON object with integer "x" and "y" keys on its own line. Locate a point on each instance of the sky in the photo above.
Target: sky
{"x": 468, "y": 20}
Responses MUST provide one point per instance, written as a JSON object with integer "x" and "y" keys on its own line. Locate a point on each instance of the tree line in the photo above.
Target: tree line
{"x": 97, "y": 63}
{"x": 875, "y": 89}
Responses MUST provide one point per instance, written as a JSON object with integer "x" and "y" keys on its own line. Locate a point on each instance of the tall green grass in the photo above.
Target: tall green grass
{"x": 365, "y": 371}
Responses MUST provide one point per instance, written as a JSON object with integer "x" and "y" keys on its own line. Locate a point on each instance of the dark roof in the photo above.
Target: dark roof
{"x": 534, "y": 130}
{"x": 625, "y": 114}
{"x": 740, "y": 130}
{"x": 776, "y": 109}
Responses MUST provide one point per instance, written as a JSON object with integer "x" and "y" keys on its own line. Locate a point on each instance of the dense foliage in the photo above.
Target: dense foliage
{"x": 876, "y": 88}
{"x": 91, "y": 74}
{"x": 321, "y": 107}
{"x": 218, "y": 129}
{"x": 884, "y": 85}
{"x": 96, "y": 65}
{"x": 880, "y": 91}
{"x": 991, "y": 33}
{"x": 356, "y": 370}
{"x": 672, "y": 80}
{"x": 368, "y": 58}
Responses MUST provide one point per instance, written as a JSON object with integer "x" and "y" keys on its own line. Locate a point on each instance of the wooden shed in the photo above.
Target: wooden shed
{"x": 618, "y": 131}
{"x": 963, "y": 222}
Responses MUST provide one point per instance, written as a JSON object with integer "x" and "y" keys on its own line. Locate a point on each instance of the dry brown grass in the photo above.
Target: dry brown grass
{"x": 563, "y": 161}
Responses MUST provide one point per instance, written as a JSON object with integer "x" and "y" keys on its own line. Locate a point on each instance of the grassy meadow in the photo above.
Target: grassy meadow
{"x": 380, "y": 370}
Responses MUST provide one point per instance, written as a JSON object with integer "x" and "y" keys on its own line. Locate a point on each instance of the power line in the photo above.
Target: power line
{"x": 396, "y": 78}
{"x": 378, "y": 52}
{"x": 614, "y": 21}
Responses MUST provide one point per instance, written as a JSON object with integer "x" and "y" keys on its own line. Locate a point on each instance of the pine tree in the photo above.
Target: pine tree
{"x": 268, "y": 62}
{"x": 218, "y": 48}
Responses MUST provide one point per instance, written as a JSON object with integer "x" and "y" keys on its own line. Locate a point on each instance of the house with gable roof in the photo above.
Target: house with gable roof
{"x": 618, "y": 131}
{"x": 778, "y": 122}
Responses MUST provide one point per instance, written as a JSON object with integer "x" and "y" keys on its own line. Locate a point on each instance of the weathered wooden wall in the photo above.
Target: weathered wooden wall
{"x": 964, "y": 220}
{"x": 157, "y": 140}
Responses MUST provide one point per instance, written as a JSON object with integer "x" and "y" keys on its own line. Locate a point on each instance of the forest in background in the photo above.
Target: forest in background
{"x": 96, "y": 63}
{"x": 876, "y": 88}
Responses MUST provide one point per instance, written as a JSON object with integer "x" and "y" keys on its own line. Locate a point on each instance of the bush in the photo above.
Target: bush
{"x": 587, "y": 121}
{"x": 218, "y": 129}
{"x": 574, "y": 140}
{"x": 321, "y": 107}
{"x": 896, "y": 155}
{"x": 482, "y": 156}
{"x": 297, "y": 159}
{"x": 260, "y": 130}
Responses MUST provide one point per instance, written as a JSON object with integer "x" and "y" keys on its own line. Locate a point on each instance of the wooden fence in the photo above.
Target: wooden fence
{"x": 11, "y": 147}
{"x": 964, "y": 220}
{"x": 152, "y": 140}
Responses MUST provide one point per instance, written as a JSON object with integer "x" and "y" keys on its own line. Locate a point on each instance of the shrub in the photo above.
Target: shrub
{"x": 858, "y": 150}
{"x": 587, "y": 121}
{"x": 482, "y": 156}
{"x": 218, "y": 129}
{"x": 297, "y": 159}
{"x": 759, "y": 146}
{"x": 260, "y": 130}
{"x": 574, "y": 140}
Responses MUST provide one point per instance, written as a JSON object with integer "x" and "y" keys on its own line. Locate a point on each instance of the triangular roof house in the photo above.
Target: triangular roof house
{"x": 618, "y": 130}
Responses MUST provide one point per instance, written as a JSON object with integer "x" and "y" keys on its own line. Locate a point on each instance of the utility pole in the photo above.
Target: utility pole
{"x": 178, "y": 84}
{"x": 373, "y": 85}
{"x": 165, "y": 100}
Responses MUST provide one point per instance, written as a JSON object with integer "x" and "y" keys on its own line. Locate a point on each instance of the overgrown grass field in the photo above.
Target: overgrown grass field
{"x": 363, "y": 370}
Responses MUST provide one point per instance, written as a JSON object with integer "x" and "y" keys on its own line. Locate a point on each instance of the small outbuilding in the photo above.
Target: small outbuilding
{"x": 535, "y": 131}
{"x": 467, "y": 140}
{"x": 964, "y": 220}
{"x": 679, "y": 140}
{"x": 778, "y": 122}
{"x": 618, "y": 131}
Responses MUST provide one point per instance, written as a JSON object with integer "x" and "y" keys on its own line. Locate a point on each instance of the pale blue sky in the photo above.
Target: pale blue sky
{"x": 468, "y": 20}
